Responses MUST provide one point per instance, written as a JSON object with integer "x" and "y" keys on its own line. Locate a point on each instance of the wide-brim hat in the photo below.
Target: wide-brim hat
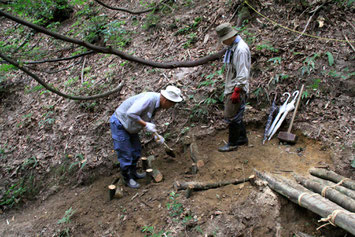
{"x": 172, "y": 93}
{"x": 225, "y": 31}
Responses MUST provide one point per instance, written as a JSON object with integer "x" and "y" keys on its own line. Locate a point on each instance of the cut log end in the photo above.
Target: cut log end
{"x": 111, "y": 191}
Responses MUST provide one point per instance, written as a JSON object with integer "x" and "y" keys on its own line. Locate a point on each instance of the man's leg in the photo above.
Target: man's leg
{"x": 233, "y": 114}
{"x": 122, "y": 145}
{"x": 136, "y": 154}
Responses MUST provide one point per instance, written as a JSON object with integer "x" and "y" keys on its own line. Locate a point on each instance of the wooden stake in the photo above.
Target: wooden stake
{"x": 189, "y": 190}
{"x": 119, "y": 192}
{"x": 145, "y": 164}
{"x": 112, "y": 191}
{"x": 149, "y": 176}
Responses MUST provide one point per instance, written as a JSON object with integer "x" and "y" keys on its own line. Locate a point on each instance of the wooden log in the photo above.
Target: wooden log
{"x": 331, "y": 194}
{"x": 157, "y": 176}
{"x": 332, "y": 176}
{"x": 313, "y": 202}
{"x": 348, "y": 192}
{"x": 195, "y": 186}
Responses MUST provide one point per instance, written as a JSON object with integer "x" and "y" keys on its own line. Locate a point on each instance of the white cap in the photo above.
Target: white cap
{"x": 172, "y": 93}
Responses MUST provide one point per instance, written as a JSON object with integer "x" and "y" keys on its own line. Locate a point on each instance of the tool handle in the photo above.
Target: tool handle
{"x": 166, "y": 145}
{"x": 294, "y": 112}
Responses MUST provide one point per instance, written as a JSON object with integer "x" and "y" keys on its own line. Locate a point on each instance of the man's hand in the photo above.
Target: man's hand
{"x": 235, "y": 97}
{"x": 159, "y": 139}
{"x": 150, "y": 127}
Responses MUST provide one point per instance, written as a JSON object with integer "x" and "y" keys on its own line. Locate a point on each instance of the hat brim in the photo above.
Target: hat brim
{"x": 166, "y": 95}
{"x": 229, "y": 35}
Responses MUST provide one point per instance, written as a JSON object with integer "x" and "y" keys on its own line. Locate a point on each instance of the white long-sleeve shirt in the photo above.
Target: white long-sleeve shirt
{"x": 238, "y": 70}
{"x": 135, "y": 108}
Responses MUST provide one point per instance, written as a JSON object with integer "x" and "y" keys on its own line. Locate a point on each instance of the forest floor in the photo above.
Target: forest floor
{"x": 57, "y": 153}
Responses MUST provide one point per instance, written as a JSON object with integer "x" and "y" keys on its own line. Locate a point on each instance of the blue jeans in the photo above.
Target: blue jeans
{"x": 128, "y": 146}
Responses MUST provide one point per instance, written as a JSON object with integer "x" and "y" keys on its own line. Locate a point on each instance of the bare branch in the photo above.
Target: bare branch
{"x": 126, "y": 10}
{"x": 45, "y": 85}
{"x": 110, "y": 50}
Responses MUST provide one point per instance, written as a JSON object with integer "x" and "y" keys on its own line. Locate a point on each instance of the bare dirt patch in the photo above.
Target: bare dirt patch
{"x": 233, "y": 210}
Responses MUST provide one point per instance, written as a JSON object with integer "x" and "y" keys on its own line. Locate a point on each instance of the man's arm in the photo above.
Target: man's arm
{"x": 241, "y": 62}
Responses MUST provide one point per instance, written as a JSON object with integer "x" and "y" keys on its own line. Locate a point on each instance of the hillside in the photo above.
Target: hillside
{"x": 57, "y": 157}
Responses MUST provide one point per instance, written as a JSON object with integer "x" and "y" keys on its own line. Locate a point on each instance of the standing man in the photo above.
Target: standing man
{"x": 237, "y": 60}
{"x": 134, "y": 114}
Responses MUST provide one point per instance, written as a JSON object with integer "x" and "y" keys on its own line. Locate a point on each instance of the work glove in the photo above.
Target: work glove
{"x": 150, "y": 127}
{"x": 235, "y": 97}
{"x": 159, "y": 139}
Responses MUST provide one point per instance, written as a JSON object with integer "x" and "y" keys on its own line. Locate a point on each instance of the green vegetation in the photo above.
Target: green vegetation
{"x": 177, "y": 212}
{"x": 191, "y": 39}
{"x": 267, "y": 47}
{"x": 151, "y": 232}
{"x": 275, "y": 60}
{"x": 190, "y": 27}
{"x": 309, "y": 64}
{"x": 26, "y": 186}
{"x": 66, "y": 218}
{"x": 330, "y": 58}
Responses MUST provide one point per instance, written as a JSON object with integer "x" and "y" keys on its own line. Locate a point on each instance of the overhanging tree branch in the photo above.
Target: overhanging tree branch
{"x": 45, "y": 85}
{"x": 127, "y": 10}
{"x": 110, "y": 50}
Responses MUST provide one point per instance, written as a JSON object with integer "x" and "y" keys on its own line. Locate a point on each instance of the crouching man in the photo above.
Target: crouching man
{"x": 133, "y": 115}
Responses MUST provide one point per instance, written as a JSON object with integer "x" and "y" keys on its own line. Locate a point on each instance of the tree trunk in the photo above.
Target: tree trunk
{"x": 316, "y": 204}
{"x": 331, "y": 194}
{"x": 332, "y": 176}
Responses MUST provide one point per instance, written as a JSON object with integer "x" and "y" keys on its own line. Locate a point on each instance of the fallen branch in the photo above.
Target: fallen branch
{"x": 309, "y": 20}
{"x": 332, "y": 176}
{"x": 313, "y": 202}
{"x": 327, "y": 192}
{"x": 347, "y": 40}
{"x": 196, "y": 186}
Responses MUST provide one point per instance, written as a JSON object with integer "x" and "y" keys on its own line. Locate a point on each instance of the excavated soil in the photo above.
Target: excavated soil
{"x": 60, "y": 150}
{"x": 233, "y": 210}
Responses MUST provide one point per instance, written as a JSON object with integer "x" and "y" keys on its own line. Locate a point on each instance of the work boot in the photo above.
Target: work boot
{"x": 234, "y": 132}
{"x": 242, "y": 139}
{"x": 135, "y": 174}
{"x": 129, "y": 181}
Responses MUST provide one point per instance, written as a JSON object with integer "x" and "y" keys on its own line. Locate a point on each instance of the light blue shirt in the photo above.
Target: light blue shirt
{"x": 135, "y": 108}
